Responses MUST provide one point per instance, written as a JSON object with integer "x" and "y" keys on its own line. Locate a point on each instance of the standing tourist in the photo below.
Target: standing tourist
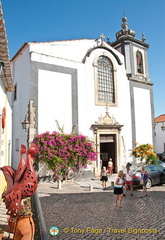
{"x": 118, "y": 188}
{"x": 110, "y": 167}
{"x": 144, "y": 179}
{"x": 128, "y": 179}
{"x": 103, "y": 177}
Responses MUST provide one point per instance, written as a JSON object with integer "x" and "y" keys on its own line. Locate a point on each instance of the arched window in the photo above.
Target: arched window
{"x": 139, "y": 61}
{"x": 105, "y": 80}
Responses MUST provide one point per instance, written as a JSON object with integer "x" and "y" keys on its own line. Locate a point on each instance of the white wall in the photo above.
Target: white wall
{"x": 21, "y": 76}
{"x": 160, "y": 137}
{"x": 143, "y": 119}
{"x": 5, "y": 134}
{"x": 54, "y": 101}
{"x": 72, "y": 50}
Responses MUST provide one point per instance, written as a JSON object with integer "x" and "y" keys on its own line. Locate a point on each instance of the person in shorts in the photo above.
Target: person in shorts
{"x": 128, "y": 179}
{"x": 110, "y": 167}
{"x": 144, "y": 178}
{"x": 103, "y": 177}
{"x": 118, "y": 188}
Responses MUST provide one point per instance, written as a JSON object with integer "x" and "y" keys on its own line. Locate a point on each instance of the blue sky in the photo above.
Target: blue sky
{"x": 51, "y": 20}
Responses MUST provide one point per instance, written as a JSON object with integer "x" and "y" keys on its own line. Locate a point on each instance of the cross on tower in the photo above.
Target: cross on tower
{"x": 102, "y": 38}
{"x": 124, "y": 11}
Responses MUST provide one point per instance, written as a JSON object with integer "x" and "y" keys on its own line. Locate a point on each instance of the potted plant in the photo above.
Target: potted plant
{"x": 25, "y": 225}
{"x": 1, "y": 233}
{"x": 25, "y": 211}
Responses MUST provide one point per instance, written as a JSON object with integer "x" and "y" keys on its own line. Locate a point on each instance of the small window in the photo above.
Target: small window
{"x": 105, "y": 80}
{"x": 139, "y": 61}
{"x": 15, "y": 92}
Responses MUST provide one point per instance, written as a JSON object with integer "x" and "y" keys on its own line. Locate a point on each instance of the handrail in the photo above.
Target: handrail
{"x": 40, "y": 232}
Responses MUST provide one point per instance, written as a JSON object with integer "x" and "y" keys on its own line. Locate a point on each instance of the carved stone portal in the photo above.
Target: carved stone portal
{"x": 106, "y": 120}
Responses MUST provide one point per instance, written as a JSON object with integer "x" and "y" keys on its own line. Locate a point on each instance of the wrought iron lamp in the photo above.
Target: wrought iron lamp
{"x": 26, "y": 123}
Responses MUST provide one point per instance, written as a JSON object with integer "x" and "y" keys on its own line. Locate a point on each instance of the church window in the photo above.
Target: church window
{"x": 105, "y": 80}
{"x": 139, "y": 61}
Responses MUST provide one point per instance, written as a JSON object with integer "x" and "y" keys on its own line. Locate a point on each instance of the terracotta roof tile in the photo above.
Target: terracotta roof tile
{"x": 160, "y": 118}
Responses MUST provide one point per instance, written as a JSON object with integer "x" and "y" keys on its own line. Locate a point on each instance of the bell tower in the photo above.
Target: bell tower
{"x": 134, "y": 51}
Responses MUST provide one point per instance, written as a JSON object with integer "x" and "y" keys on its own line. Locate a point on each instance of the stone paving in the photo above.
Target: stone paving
{"x": 83, "y": 214}
{"x": 3, "y": 220}
{"x": 80, "y": 213}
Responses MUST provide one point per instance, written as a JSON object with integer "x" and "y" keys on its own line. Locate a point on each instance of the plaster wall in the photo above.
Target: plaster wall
{"x": 159, "y": 138}
{"x": 2, "y": 135}
{"x": 2, "y": 94}
{"x": 143, "y": 119}
{"x": 54, "y": 101}
{"x": 128, "y": 58}
{"x": 21, "y": 76}
{"x": 71, "y": 50}
{"x": 5, "y": 134}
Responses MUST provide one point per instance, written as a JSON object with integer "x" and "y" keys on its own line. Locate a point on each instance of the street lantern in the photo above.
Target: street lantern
{"x": 26, "y": 123}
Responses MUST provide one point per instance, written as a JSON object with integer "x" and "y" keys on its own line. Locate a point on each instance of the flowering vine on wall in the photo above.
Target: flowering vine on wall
{"x": 145, "y": 152}
{"x": 64, "y": 151}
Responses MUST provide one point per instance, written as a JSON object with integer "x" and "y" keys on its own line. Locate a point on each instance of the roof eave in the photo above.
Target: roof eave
{"x": 6, "y": 74}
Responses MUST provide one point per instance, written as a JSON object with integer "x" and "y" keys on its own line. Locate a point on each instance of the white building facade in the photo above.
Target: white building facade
{"x": 6, "y": 86}
{"x": 102, "y": 89}
{"x": 160, "y": 134}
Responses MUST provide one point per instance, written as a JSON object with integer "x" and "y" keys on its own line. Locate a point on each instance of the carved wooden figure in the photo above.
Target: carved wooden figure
{"x": 21, "y": 183}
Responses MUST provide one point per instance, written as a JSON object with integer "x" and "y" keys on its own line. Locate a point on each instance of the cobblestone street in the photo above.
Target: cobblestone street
{"x": 83, "y": 214}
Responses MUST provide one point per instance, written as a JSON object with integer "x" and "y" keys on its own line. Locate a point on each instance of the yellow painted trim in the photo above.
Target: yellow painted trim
{"x": 3, "y": 184}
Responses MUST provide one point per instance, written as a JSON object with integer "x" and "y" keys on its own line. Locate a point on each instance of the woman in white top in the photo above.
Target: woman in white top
{"x": 129, "y": 179}
{"x": 118, "y": 188}
{"x": 103, "y": 177}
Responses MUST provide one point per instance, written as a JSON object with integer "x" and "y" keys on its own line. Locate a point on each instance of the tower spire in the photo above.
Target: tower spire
{"x": 125, "y": 30}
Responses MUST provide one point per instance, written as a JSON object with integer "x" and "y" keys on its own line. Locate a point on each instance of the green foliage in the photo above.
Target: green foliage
{"x": 144, "y": 151}
{"x": 64, "y": 151}
{"x": 60, "y": 129}
{"x": 151, "y": 159}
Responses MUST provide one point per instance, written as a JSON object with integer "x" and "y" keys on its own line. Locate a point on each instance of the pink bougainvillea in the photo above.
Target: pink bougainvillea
{"x": 64, "y": 151}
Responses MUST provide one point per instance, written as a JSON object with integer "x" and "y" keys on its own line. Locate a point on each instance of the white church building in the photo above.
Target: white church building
{"x": 103, "y": 89}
